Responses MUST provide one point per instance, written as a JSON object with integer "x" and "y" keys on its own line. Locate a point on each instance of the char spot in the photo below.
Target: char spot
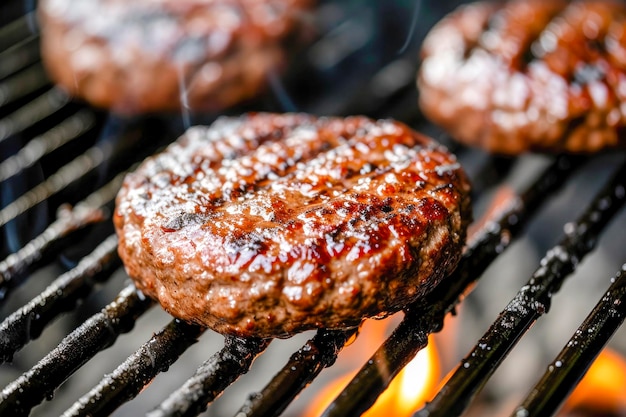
{"x": 529, "y": 54}
{"x": 251, "y": 241}
{"x": 185, "y": 219}
{"x": 588, "y": 73}
{"x": 386, "y": 209}
{"x": 367, "y": 168}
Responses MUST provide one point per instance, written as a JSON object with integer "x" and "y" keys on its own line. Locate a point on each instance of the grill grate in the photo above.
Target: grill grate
{"x": 420, "y": 320}
{"x": 28, "y": 322}
{"x": 298, "y": 372}
{"x": 98, "y": 332}
{"x": 69, "y": 220}
{"x": 155, "y": 356}
{"x": 70, "y": 148}
{"x": 532, "y": 301}
{"x": 579, "y": 352}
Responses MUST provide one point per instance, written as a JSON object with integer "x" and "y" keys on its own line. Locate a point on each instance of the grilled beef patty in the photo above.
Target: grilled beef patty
{"x": 163, "y": 55}
{"x": 529, "y": 75}
{"x": 270, "y": 224}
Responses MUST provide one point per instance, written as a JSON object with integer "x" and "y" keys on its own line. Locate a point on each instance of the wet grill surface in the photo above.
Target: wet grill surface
{"x": 62, "y": 163}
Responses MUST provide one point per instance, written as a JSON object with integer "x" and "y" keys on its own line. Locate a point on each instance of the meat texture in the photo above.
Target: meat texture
{"x": 270, "y": 224}
{"x": 164, "y": 55}
{"x": 532, "y": 75}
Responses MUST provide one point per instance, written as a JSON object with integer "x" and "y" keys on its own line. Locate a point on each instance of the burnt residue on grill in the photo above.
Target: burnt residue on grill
{"x": 212, "y": 377}
{"x": 74, "y": 261}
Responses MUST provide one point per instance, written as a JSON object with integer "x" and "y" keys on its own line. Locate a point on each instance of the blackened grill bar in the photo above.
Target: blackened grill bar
{"x": 20, "y": 55}
{"x": 164, "y": 348}
{"x": 531, "y": 302}
{"x": 580, "y": 351}
{"x": 303, "y": 366}
{"x": 154, "y": 356}
{"x": 62, "y": 295}
{"x": 73, "y": 171}
{"x": 67, "y": 130}
{"x": 95, "y": 334}
{"x": 14, "y": 32}
{"x": 44, "y": 106}
{"x": 212, "y": 377}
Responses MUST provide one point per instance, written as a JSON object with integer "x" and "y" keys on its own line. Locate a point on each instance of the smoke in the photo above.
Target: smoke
{"x": 416, "y": 13}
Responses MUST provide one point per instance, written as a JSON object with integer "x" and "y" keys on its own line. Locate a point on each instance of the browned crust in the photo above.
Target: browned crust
{"x": 164, "y": 55}
{"x": 529, "y": 75}
{"x": 271, "y": 224}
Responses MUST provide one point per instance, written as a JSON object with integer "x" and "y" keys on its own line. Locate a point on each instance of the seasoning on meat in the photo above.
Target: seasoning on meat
{"x": 268, "y": 224}
{"x": 533, "y": 75}
{"x": 164, "y": 55}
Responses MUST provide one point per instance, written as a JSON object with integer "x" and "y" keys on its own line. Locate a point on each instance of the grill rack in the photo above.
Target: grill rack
{"x": 158, "y": 353}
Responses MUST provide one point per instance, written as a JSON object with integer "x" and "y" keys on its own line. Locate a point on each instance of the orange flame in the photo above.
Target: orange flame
{"x": 412, "y": 387}
{"x": 603, "y": 388}
{"x": 407, "y": 392}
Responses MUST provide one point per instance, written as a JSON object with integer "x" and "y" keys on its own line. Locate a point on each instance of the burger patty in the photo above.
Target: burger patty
{"x": 269, "y": 224}
{"x": 164, "y": 55}
{"x": 529, "y": 75}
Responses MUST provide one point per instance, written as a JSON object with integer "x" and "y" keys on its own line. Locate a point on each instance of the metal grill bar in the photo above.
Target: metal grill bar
{"x": 412, "y": 334}
{"x": 571, "y": 364}
{"x": 66, "y": 175}
{"x": 43, "y": 106}
{"x": 85, "y": 212}
{"x": 22, "y": 84}
{"x": 64, "y": 132}
{"x": 302, "y": 368}
{"x": 235, "y": 358}
{"x": 212, "y": 378}
{"x": 138, "y": 370}
{"x": 19, "y": 56}
{"x": 531, "y": 302}
{"x": 28, "y": 322}
{"x": 96, "y": 334}
{"x": 15, "y": 31}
